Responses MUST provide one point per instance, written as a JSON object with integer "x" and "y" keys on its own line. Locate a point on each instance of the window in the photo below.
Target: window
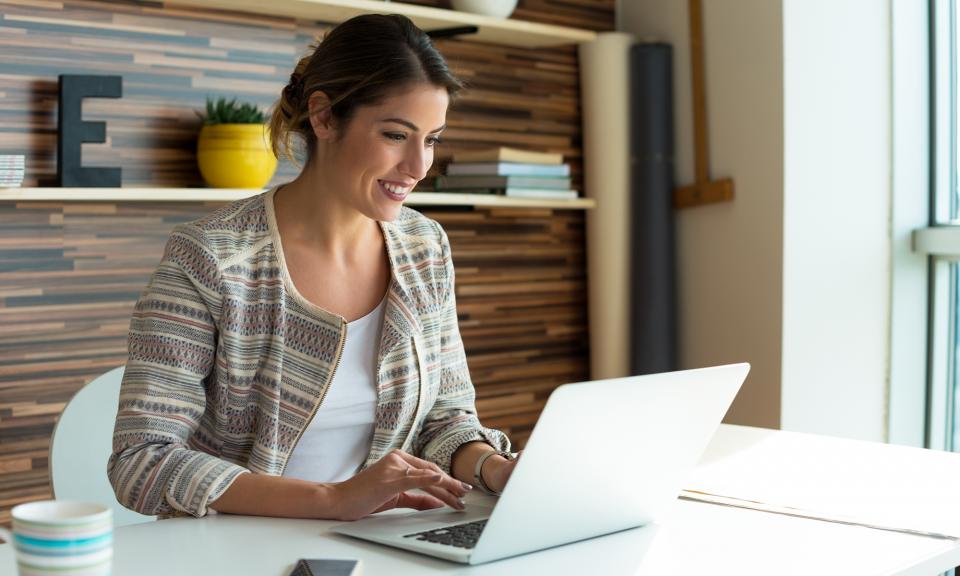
{"x": 940, "y": 240}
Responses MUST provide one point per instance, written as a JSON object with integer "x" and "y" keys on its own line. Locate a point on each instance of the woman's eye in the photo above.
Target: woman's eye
{"x": 395, "y": 136}
{"x": 433, "y": 140}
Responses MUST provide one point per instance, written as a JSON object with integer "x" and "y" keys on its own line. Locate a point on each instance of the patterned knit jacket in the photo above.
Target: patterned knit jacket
{"x": 228, "y": 363}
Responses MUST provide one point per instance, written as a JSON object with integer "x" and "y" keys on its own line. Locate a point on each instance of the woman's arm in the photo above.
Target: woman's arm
{"x": 262, "y": 495}
{"x": 451, "y": 434}
{"x": 171, "y": 350}
{"x": 380, "y": 487}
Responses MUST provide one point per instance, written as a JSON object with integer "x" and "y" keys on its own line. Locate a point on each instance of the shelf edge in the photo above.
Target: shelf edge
{"x": 230, "y": 195}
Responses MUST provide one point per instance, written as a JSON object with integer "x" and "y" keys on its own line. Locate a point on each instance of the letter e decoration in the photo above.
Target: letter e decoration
{"x": 73, "y": 131}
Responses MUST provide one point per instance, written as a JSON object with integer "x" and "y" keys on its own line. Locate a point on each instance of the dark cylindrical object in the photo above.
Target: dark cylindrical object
{"x": 653, "y": 269}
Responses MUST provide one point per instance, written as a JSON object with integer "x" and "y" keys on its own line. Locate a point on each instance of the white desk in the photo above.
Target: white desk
{"x": 696, "y": 539}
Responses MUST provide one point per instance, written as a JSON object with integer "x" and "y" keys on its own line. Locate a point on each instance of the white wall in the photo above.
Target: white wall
{"x": 793, "y": 275}
{"x": 730, "y": 254}
{"x": 837, "y": 191}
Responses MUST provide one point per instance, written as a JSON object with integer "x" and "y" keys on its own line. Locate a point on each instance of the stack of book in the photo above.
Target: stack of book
{"x": 508, "y": 171}
{"x": 11, "y": 171}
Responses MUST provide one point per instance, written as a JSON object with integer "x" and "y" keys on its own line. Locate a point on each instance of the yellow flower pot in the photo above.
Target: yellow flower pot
{"x": 235, "y": 155}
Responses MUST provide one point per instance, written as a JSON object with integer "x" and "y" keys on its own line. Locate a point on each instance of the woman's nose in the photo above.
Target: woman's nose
{"x": 417, "y": 161}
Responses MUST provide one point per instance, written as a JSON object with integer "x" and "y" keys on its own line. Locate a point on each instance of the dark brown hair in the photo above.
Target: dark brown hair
{"x": 360, "y": 62}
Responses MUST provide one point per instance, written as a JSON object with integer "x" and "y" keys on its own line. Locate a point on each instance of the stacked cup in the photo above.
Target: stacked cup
{"x": 11, "y": 170}
{"x": 63, "y": 538}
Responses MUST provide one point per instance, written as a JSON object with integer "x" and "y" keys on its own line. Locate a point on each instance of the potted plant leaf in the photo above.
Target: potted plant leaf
{"x": 233, "y": 150}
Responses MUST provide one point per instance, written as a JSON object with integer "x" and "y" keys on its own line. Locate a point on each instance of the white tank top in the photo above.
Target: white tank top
{"x": 337, "y": 441}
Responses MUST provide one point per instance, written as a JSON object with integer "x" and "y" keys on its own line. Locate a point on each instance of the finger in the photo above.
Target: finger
{"x": 409, "y": 464}
{"x": 447, "y": 497}
{"x": 418, "y": 501}
{"x": 454, "y": 486}
{"x": 417, "y": 479}
{"x": 450, "y": 483}
{"x": 418, "y": 462}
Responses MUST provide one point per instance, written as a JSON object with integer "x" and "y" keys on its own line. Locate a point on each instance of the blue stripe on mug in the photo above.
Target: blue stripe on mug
{"x": 40, "y": 543}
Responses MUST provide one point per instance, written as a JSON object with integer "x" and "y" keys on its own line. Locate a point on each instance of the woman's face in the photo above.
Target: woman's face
{"x": 386, "y": 148}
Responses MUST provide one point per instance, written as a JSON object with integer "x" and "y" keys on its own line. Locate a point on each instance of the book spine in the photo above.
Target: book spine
{"x": 507, "y": 169}
{"x": 465, "y": 181}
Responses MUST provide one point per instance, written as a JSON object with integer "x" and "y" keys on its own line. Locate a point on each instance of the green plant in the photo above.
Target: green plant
{"x": 223, "y": 111}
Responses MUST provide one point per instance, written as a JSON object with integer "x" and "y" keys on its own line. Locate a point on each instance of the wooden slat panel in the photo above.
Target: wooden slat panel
{"x": 171, "y": 59}
{"x": 70, "y": 272}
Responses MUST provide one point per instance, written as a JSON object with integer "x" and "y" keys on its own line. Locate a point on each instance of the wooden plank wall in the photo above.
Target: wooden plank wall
{"x": 70, "y": 273}
{"x": 171, "y": 59}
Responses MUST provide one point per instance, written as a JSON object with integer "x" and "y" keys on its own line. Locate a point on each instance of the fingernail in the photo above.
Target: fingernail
{"x": 466, "y": 486}
{"x": 461, "y": 503}
{"x": 437, "y": 477}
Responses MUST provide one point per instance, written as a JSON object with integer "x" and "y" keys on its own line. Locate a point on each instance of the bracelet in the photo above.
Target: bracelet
{"x": 478, "y": 477}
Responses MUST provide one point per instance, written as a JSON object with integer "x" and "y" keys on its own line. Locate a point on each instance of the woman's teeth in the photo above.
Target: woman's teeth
{"x": 394, "y": 189}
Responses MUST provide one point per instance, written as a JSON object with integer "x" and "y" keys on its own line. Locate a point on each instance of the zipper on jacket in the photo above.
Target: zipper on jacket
{"x": 418, "y": 350}
{"x": 343, "y": 342}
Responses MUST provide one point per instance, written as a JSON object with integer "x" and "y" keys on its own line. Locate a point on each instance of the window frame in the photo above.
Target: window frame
{"x": 938, "y": 240}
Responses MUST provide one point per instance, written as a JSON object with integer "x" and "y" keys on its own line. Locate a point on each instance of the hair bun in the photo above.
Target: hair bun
{"x": 294, "y": 88}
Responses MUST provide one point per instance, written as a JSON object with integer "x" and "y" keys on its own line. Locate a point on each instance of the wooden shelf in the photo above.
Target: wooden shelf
{"x": 229, "y": 195}
{"x": 508, "y": 32}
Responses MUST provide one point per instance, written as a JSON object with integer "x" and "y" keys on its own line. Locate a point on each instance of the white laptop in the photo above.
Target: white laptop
{"x": 605, "y": 456}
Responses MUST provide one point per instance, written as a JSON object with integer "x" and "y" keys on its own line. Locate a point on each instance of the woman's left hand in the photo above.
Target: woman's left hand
{"x": 497, "y": 470}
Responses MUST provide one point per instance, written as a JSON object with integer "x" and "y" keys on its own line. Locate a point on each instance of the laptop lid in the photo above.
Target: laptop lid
{"x": 607, "y": 455}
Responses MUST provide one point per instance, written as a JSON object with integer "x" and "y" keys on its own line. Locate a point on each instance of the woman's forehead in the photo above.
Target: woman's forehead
{"x": 423, "y": 105}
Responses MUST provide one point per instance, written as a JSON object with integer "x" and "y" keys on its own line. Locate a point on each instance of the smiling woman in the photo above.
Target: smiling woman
{"x": 297, "y": 353}
{"x": 373, "y": 160}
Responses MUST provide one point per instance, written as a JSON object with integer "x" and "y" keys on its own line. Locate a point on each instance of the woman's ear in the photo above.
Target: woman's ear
{"x": 321, "y": 116}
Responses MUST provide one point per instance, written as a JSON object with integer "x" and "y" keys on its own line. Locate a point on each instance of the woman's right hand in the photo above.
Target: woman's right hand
{"x": 385, "y": 484}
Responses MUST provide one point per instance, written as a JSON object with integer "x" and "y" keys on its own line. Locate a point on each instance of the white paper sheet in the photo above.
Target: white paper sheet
{"x": 849, "y": 481}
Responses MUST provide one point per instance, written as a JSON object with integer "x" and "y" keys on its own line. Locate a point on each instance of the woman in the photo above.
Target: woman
{"x": 297, "y": 353}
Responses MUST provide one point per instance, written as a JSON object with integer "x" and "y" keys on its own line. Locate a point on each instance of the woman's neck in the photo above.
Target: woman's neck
{"x": 311, "y": 214}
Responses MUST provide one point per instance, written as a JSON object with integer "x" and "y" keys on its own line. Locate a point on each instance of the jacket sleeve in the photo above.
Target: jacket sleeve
{"x": 452, "y": 420}
{"x": 171, "y": 350}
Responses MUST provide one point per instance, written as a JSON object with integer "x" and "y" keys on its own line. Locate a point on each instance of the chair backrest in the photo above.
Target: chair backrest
{"x": 82, "y": 443}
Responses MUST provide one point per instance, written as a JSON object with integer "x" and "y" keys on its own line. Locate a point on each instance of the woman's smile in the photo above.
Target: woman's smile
{"x": 395, "y": 190}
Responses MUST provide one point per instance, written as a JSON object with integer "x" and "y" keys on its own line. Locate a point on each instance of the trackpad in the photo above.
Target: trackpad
{"x": 401, "y": 524}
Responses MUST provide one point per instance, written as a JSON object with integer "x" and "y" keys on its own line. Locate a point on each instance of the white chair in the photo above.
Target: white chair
{"x": 82, "y": 443}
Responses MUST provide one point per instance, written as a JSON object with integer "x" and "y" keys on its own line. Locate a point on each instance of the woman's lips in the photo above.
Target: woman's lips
{"x": 397, "y": 196}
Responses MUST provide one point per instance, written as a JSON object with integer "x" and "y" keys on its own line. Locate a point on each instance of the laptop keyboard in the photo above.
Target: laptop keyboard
{"x": 461, "y": 535}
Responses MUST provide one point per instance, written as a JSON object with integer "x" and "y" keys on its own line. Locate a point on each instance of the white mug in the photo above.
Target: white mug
{"x": 62, "y": 537}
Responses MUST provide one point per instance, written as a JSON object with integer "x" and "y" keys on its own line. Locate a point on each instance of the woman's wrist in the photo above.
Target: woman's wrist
{"x": 325, "y": 501}
{"x": 488, "y": 471}
{"x": 464, "y": 460}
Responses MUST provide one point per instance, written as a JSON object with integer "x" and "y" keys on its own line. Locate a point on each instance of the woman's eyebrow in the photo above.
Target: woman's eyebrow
{"x": 411, "y": 125}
